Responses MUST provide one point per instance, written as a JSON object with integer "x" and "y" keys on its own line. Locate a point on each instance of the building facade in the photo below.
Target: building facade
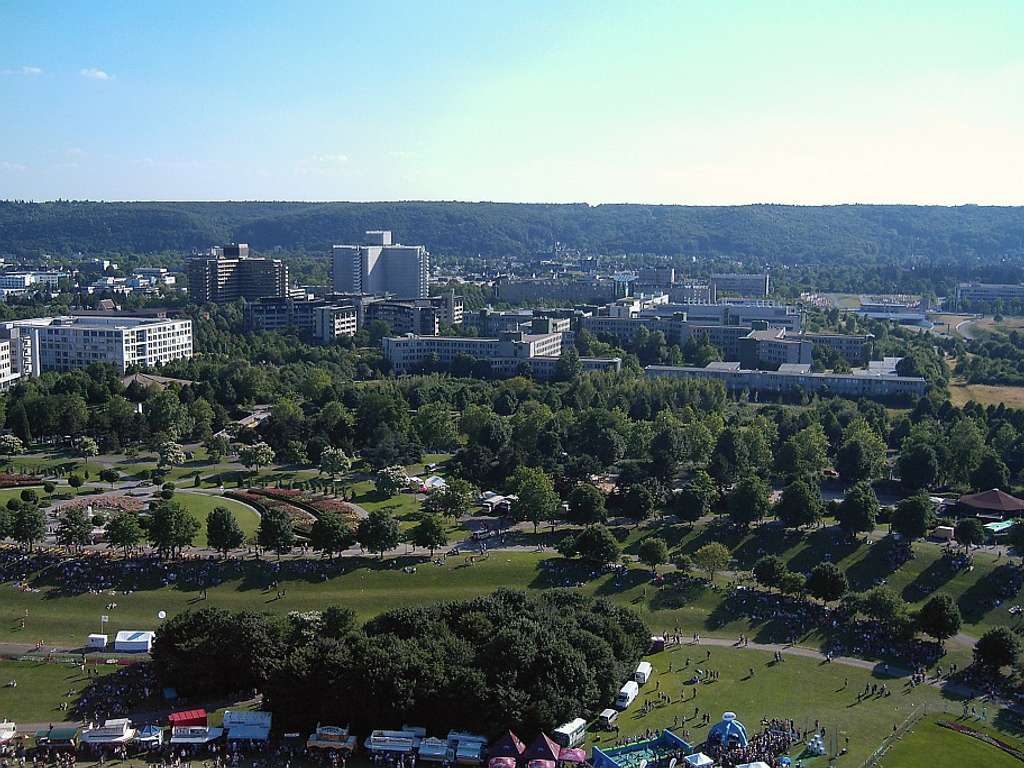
{"x": 740, "y": 284}
{"x": 380, "y": 266}
{"x": 227, "y": 274}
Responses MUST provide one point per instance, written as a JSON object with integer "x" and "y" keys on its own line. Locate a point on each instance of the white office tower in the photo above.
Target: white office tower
{"x": 382, "y": 267}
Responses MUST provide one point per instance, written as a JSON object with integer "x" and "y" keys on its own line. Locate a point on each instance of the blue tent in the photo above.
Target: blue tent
{"x": 729, "y": 732}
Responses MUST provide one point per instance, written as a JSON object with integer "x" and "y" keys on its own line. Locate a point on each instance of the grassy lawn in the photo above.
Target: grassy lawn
{"x": 929, "y": 745}
{"x": 41, "y": 689}
{"x": 986, "y": 394}
{"x": 200, "y": 505}
{"x": 805, "y": 690}
{"x": 15, "y": 493}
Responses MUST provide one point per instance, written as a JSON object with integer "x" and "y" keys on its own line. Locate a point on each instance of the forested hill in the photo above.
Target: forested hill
{"x": 766, "y": 233}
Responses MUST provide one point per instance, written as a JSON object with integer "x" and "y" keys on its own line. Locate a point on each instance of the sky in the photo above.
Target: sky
{"x": 712, "y": 102}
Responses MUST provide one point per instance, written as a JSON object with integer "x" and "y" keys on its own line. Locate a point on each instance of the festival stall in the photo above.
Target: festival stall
{"x": 699, "y": 760}
{"x": 112, "y": 733}
{"x": 469, "y": 748}
{"x": 247, "y": 726}
{"x": 150, "y": 736}
{"x": 508, "y": 746}
{"x": 195, "y": 734}
{"x": 332, "y": 739}
{"x": 658, "y": 752}
{"x": 8, "y": 730}
{"x": 187, "y": 717}
{"x": 434, "y": 750}
{"x": 383, "y": 742}
{"x": 58, "y": 737}
{"x": 96, "y": 642}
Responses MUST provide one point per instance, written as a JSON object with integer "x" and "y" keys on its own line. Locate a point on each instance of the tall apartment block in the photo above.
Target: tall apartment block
{"x": 228, "y": 273}
{"x": 380, "y": 266}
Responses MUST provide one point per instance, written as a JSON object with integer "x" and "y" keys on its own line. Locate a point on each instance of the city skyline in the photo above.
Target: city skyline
{"x": 807, "y": 103}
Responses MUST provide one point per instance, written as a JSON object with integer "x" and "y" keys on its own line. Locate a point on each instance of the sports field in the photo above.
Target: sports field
{"x": 929, "y": 745}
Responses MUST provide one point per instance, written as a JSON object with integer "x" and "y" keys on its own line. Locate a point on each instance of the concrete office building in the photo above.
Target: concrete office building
{"x": 332, "y": 321}
{"x": 380, "y": 266}
{"x": 968, "y": 293}
{"x": 570, "y": 289}
{"x": 227, "y": 274}
{"x": 419, "y": 318}
{"x": 320, "y": 319}
{"x": 733, "y": 313}
{"x": 69, "y": 342}
{"x": 739, "y": 284}
{"x": 797, "y": 378}
{"x": 510, "y": 354}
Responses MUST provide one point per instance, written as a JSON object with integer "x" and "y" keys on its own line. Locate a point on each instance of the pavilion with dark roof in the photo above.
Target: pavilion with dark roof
{"x": 992, "y": 504}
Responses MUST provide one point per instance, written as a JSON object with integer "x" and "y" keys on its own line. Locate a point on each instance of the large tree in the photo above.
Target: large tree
{"x": 256, "y": 456}
{"x": 454, "y": 500}
{"x": 918, "y": 465}
{"x": 939, "y": 617}
{"x": 711, "y": 558}
{"x": 999, "y": 647}
{"x": 914, "y": 516}
{"x": 586, "y": 505}
{"x": 827, "y": 582}
{"x": 28, "y": 526}
{"x": 768, "y": 571}
{"x": 537, "y": 500}
{"x": 595, "y": 543}
{"x": 653, "y": 552}
{"x": 275, "y": 531}
{"x": 331, "y": 533}
{"x": 858, "y": 510}
{"x": 124, "y": 531}
{"x": 171, "y": 528}
{"x": 429, "y": 533}
{"x": 74, "y": 528}
{"x": 800, "y": 504}
{"x": 378, "y": 532}
{"x": 861, "y": 456}
{"x": 969, "y": 532}
{"x": 749, "y": 500}
{"x": 223, "y": 532}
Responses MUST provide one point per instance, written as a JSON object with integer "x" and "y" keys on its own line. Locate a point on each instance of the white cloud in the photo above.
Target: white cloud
{"x": 324, "y": 164}
{"x": 23, "y": 70}
{"x": 9, "y": 166}
{"x": 95, "y": 73}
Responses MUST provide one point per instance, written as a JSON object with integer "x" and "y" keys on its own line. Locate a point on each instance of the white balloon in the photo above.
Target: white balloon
{"x": 162, "y": 615}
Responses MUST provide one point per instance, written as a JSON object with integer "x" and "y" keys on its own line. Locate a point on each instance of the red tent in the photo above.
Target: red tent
{"x": 541, "y": 748}
{"x": 187, "y": 717}
{"x": 508, "y": 745}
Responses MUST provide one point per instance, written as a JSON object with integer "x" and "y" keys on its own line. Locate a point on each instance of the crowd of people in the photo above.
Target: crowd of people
{"x": 118, "y": 694}
{"x": 775, "y": 739}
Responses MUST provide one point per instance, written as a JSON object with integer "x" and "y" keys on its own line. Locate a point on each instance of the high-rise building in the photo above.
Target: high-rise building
{"x": 380, "y": 266}
{"x": 227, "y": 273}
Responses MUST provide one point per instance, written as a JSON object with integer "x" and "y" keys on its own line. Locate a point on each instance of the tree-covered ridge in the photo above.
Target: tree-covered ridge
{"x": 762, "y": 233}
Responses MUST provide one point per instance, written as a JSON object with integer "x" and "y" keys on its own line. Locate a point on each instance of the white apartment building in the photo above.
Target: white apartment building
{"x": 69, "y": 342}
{"x": 380, "y": 266}
{"x": 505, "y": 354}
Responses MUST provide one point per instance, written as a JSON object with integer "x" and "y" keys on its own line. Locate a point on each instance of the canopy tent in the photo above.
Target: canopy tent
{"x": 728, "y": 732}
{"x": 393, "y": 742}
{"x": 247, "y": 726}
{"x": 248, "y": 733}
{"x": 134, "y": 641}
{"x": 118, "y": 731}
{"x": 435, "y": 750}
{"x": 8, "y": 730}
{"x": 332, "y": 738}
{"x": 699, "y": 760}
{"x": 572, "y": 755}
{"x": 59, "y": 736}
{"x": 501, "y": 762}
{"x": 540, "y": 749}
{"x": 187, "y": 717}
{"x": 195, "y": 734}
{"x": 992, "y": 502}
{"x": 508, "y": 745}
{"x": 151, "y": 735}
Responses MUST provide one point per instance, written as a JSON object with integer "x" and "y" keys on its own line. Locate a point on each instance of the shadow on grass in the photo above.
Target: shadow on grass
{"x": 938, "y": 573}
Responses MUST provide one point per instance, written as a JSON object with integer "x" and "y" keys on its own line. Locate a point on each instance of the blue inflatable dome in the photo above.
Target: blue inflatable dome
{"x": 729, "y": 732}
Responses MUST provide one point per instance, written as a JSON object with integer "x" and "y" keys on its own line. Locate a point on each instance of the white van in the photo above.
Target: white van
{"x": 608, "y": 718}
{"x": 643, "y": 672}
{"x": 627, "y": 693}
{"x": 571, "y": 734}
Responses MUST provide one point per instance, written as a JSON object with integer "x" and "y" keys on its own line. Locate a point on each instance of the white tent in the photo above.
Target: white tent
{"x": 699, "y": 760}
{"x": 758, "y": 764}
{"x": 8, "y": 730}
{"x": 117, "y": 731}
{"x": 134, "y": 641}
{"x": 97, "y": 642}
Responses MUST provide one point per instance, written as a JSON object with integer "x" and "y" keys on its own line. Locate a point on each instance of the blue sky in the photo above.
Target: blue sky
{"x": 641, "y": 101}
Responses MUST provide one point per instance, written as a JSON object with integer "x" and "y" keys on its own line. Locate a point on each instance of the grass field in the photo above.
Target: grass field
{"x": 986, "y": 394}
{"x": 200, "y": 505}
{"x": 929, "y": 745}
{"x": 41, "y": 689}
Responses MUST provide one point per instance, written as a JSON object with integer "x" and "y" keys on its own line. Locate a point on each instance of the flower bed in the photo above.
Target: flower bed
{"x": 310, "y": 502}
{"x": 110, "y": 503}
{"x": 302, "y": 520}
{"x": 11, "y": 480}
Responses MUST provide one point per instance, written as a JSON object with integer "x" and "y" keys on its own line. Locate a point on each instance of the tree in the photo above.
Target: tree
{"x": 390, "y": 480}
{"x": 223, "y": 532}
{"x": 999, "y": 647}
{"x": 711, "y": 558}
{"x": 74, "y": 528}
{"x": 87, "y": 446}
{"x": 537, "y": 500}
{"x": 749, "y": 500}
{"x": 939, "y": 617}
{"x": 436, "y": 426}
{"x": 858, "y": 510}
{"x": 334, "y": 462}
{"x": 28, "y": 526}
{"x": 454, "y": 500}
{"x": 10, "y": 445}
{"x": 124, "y": 531}
{"x": 639, "y": 501}
{"x": 331, "y": 534}
{"x": 110, "y": 475}
{"x": 800, "y": 504}
{"x": 29, "y": 495}
{"x": 17, "y": 420}
{"x": 768, "y": 571}
{"x": 805, "y": 453}
{"x": 914, "y": 516}
{"x": 827, "y": 582}
{"x": 75, "y": 481}
{"x": 49, "y": 488}
{"x": 568, "y": 366}
{"x": 586, "y": 505}
{"x": 918, "y": 465}
{"x": 217, "y": 447}
{"x": 172, "y": 528}
{"x": 378, "y": 532}
{"x": 696, "y": 498}
{"x": 430, "y": 533}
{"x": 170, "y": 454}
{"x": 275, "y": 531}
{"x": 862, "y": 453}
{"x": 256, "y": 456}
{"x": 790, "y": 583}
{"x": 991, "y": 472}
{"x": 969, "y": 532}
{"x": 653, "y": 552}
{"x": 595, "y": 544}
